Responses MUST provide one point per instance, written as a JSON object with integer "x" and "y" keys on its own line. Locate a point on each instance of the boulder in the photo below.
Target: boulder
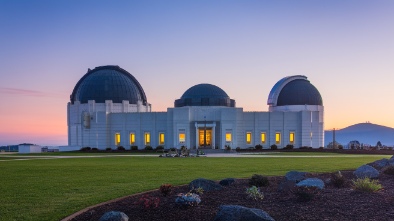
{"x": 206, "y": 185}
{"x": 188, "y": 200}
{"x": 366, "y": 171}
{"x": 286, "y": 185}
{"x": 227, "y": 181}
{"x": 312, "y": 182}
{"x": 379, "y": 164}
{"x": 295, "y": 176}
{"x": 114, "y": 216}
{"x": 240, "y": 213}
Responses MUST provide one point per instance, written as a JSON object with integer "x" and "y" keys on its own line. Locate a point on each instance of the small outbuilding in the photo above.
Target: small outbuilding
{"x": 29, "y": 148}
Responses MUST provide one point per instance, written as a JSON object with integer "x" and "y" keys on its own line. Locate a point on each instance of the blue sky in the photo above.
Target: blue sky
{"x": 345, "y": 48}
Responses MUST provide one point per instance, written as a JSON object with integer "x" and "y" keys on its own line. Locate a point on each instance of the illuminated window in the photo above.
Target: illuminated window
{"x": 228, "y": 137}
{"x": 161, "y": 138}
{"x": 277, "y": 138}
{"x": 132, "y": 138}
{"x": 248, "y": 137}
{"x": 117, "y": 139}
{"x": 291, "y": 138}
{"x": 263, "y": 137}
{"x": 182, "y": 137}
{"x": 147, "y": 138}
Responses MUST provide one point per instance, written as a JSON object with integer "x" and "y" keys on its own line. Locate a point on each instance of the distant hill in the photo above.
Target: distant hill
{"x": 366, "y": 133}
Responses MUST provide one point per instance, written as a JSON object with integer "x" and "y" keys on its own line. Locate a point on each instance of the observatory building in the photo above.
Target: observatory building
{"x": 108, "y": 108}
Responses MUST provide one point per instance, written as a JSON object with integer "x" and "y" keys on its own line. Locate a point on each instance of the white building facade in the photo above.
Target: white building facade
{"x": 108, "y": 108}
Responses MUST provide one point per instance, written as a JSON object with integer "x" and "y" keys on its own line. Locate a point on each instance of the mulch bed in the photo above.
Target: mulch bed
{"x": 330, "y": 204}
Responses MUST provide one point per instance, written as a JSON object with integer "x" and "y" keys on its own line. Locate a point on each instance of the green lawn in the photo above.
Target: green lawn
{"x": 52, "y": 189}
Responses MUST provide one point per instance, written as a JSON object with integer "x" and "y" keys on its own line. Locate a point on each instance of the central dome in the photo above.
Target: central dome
{"x": 205, "y": 95}
{"x": 108, "y": 83}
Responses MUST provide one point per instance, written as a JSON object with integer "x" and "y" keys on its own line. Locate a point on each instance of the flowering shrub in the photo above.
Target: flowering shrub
{"x": 254, "y": 193}
{"x": 147, "y": 201}
{"x": 165, "y": 189}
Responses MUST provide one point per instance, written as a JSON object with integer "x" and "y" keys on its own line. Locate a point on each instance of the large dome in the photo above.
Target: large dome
{"x": 205, "y": 95}
{"x": 108, "y": 83}
{"x": 294, "y": 90}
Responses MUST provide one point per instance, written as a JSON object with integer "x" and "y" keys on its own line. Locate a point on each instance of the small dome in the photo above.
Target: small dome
{"x": 205, "y": 95}
{"x": 294, "y": 90}
{"x": 299, "y": 92}
{"x": 108, "y": 83}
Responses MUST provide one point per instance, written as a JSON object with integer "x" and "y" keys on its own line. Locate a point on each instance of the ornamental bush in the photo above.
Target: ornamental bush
{"x": 274, "y": 147}
{"x": 165, "y": 189}
{"x": 120, "y": 148}
{"x": 254, "y": 193}
{"x": 133, "y": 147}
{"x": 366, "y": 185}
{"x": 258, "y": 147}
{"x": 305, "y": 193}
{"x": 258, "y": 180}
{"x": 288, "y": 147}
{"x": 108, "y": 149}
{"x": 338, "y": 180}
{"x": 85, "y": 149}
{"x": 160, "y": 147}
{"x": 148, "y": 148}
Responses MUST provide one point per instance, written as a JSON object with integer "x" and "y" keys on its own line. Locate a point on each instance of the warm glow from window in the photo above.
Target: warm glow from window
{"x": 161, "y": 138}
{"x": 291, "y": 138}
{"x": 263, "y": 137}
{"x": 132, "y": 138}
{"x": 248, "y": 138}
{"x": 277, "y": 138}
{"x": 117, "y": 139}
{"x": 182, "y": 137}
{"x": 228, "y": 137}
{"x": 147, "y": 138}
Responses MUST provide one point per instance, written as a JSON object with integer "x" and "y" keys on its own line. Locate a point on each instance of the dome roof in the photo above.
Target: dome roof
{"x": 205, "y": 95}
{"x": 294, "y": 90}
{"x": 108, "y": 83}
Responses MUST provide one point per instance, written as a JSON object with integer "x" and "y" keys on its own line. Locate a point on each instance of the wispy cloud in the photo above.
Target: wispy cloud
{"x": 24, "y": 92}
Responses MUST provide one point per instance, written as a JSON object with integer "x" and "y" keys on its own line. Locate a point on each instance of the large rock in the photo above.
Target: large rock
{"x": 188, "y": 200}
{"x": 114, "y": 216}
{"x": 379, "y": 164}
{"x": 240, "y": 213}
{"x": 295, "y": 176}
{"x": 366, "y": 171}
{"x": 312, "y": 182}
{"x": 206, "y": 185}
{"x": 227, "y": 181}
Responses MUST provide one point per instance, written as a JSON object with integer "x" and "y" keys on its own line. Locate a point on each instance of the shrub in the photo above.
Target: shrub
{"x": 148, "y": 148}
{"x": 120, "y": 148}
{"x": 258, "y": 180}
{"x": 274, "y": 147}
{"x": 160, "y": 147}
{"x": 304, "y": 148}
{"x": 183, "y": 148}
{"x": 288, "y": 147}
{"x": 389, "y": 170}
{"x": 172, "y": 149}
{"x": 227, "y": 147}
{"x": 238, "y": 148}
{"x": 198, "y": 190}
{"x": 321, "y": 148}
{"x": 254, "y": 193}
{"x": 85, "y": 149}
{"x": 338, "y": 180}
{"x": 366, "y": 185}
{"x": 165, "y": 189}
{"x": 147, "y": 201}
{"x": 304, "y": 193}
{"x": 258, "y": 147}
{"x": 134, "y": 147}
{"x": 108, "y": 149}
{"x": 94, "y": 149}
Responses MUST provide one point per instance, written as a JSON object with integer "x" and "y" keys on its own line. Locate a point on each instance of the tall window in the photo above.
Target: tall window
{"x": 228, "y": 136}
{"x": 182, "y": 136}
{"x": 248, "y": 137}
{"x": 117, "y": 139}
{"x": 277, "y": 138}
{"x": 263, "y": 137}
{"x": 292, "y": 137}
{"x": 132, "y": 138}
{"x": 147, "y": 138}
{"x": 161, "y": 138}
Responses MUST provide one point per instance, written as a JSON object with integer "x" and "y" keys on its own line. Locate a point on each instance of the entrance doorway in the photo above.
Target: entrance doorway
{"x": 205, "y": 140}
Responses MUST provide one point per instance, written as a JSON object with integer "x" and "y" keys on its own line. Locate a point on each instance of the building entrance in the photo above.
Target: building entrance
{"x": 205, "y": 137}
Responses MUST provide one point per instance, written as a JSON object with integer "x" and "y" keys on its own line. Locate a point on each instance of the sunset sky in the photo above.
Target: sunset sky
{"x": 344, "y": 47}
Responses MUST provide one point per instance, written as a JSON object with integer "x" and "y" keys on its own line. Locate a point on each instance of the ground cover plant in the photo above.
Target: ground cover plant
{"x": 39, "y": 189}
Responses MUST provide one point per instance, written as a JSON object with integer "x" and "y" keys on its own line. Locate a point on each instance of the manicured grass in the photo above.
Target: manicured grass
{"x": 55, "y": 188}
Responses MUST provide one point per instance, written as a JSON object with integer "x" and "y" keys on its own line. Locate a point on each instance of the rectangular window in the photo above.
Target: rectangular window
{"x": 182, "y": 137}
{"x": 248, "y": 137}
{"x": 277, "y": 138}
{"x": 132, "y": 138}
{"x": 147, "y": 138}
{"x": 291, "y": 138}
{"x": 117, "y": 139}
{"x": 161, "y": 138}
{"x": 228, "y": 137}
{"x": 263, "y": 137}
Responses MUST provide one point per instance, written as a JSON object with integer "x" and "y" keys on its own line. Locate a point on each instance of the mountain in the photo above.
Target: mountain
{"x": 366, "y": 133}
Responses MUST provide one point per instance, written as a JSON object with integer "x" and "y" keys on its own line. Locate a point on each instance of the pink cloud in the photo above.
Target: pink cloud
{"x": 24, "y": 92}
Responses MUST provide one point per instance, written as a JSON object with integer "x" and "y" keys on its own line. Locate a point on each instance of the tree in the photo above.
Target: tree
{"x": 379, "y": 144}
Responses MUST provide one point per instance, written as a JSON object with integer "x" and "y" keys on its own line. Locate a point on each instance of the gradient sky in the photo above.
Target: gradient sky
{"x": 344, "y": 47}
